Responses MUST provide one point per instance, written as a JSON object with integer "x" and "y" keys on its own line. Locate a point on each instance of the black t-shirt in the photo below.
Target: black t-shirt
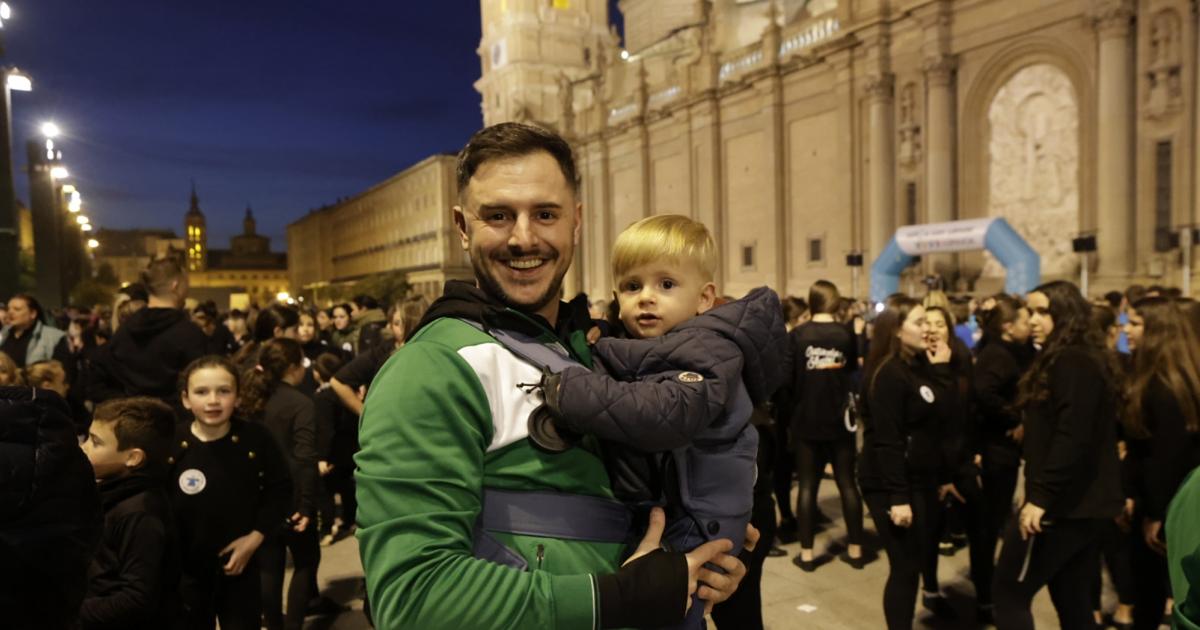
{"x": 362, "y": 370}
{"x": 824, "y": 357}
{"x": 17, "y": 347}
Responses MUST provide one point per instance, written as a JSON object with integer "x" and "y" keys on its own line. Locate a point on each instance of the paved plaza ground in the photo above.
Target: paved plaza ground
{"x": 834, "y": 597}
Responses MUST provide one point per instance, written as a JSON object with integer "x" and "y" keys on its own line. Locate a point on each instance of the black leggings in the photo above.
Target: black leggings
{"x": 810, "y": 464}
{"x": 1151, "y": 589}
{"x": 306, "y": 556}
{"x": 904, "y": 548}
{"x": 1115, "y": 549}
{"x": 785, "y": 465}
{"x": 1065, "y": 557}
{"x": 999, "y": 476}
{"x": 981, "y": 547}
{"x": 209, "y": 596}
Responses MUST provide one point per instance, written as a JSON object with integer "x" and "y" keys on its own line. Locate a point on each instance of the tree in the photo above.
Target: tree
{"x": 89, "y": 292}
{"x": 106, "y": 276}
{"x": 386, "y": 287}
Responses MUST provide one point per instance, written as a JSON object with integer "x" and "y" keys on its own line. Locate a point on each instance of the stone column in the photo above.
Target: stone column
{"x": 881, "y": 179}
{"x": 939, "y": 140}
{"x": 1114, "y": 156}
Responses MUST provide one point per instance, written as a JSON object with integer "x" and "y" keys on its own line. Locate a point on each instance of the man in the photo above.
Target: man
{"x": 447, "y": 473}
{"x": 26, "y": 339}
{"x": 154, "y": 345}
{"x": 220, "y": 340}
{"x": 370, "y": 320}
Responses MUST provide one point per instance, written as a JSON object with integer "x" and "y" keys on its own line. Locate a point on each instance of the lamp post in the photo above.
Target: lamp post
{"x": 47, "y": 223}
{"x": 10, "y": 265}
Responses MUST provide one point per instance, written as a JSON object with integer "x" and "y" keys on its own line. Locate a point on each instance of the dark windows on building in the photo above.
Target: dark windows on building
{"x": 1162, "y": 196}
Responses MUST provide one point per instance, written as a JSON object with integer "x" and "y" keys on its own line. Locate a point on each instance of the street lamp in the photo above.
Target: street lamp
{"x": 5, "y": 12}
{"x": 14, "y": 80}
{"x": 82, "y": 220}
{"x": 19, "y": 81}
{"x": 93, "y": 243}
{"x": 86, "y": 227}
{"x": 59, "y": 172}
{"x": 76, "y": 202}
{"x": 50, "y": 130}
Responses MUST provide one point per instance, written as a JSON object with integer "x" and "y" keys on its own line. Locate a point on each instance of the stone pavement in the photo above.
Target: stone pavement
{"x": 834, "y": 597}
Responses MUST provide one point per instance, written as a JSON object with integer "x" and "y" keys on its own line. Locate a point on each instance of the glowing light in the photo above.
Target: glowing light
{"x": 49, "y": 144}
{"x": 879, "y": 307}
{"x": 283, "y": 296}
{"x": 82, "y": 220}
{"x": 93, "y": 243}
{"x": 76, "y": 202}
{"x": 68, "y": 188}
{"x": 19, "y": 82}
{"x": 5, "y": 11}
{"x": 86, "y": 228}
{"x": 50, "y": 130}
{"x": 625, "y": 55}
{"x": 59, "y": 172}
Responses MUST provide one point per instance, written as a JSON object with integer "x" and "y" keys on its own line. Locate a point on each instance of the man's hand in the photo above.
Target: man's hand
{"x": 717, "y": 587}
{"x": 752, "y": 536}
{"x": 950, "y": 490}
{"x": 1151, "y": 530}
{"x": 324, "y": 467}
{"x": 1031, "y": 520}
{"x": 240, "y": 551}
{"x": 901, "y": 515}
{"x": 299, "y": 522}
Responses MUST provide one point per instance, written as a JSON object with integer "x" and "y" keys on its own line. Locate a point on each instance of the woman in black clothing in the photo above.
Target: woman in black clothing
{"x": 271, "y": 397}
{"x": 1072, "y": 481}
{"x": 275, "y": 322}
{"x": 907, "y": 390}
{"x": 1004, "y": 356}
{"x": 1163, "y": 422}
{"x": 822, "y": 356}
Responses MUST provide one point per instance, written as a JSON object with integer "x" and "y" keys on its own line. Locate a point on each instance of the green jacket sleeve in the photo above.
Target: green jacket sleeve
{"x": 424, "y": 434}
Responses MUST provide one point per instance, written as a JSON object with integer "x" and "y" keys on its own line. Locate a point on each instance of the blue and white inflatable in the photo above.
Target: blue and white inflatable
{"x": 996, "y": 235}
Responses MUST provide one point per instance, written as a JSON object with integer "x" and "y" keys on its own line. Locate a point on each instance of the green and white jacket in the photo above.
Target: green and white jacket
{"x": 445, "y": 419}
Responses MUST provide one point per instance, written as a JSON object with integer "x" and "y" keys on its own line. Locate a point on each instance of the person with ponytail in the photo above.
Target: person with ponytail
{"x": 1004, "y": 354}
{"x": 1069, "y": 399}
{"x": 274, "y": 322}
{"x": 270, "y": 396}
{"x": 908, "y": 392}
{"x": 1163, "y": 425}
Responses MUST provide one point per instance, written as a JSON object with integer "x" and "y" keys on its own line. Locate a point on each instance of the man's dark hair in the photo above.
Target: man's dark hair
{"x": 1135, "y": 293}
{"x": 207, "y": 308}
{"x": 161, "y": 273}
{"x": 365, "y": 302}
{"x": 140, "y": 422}
{"x": 327, "y": 364}
{"x": 136, "y": 291}
{"x": 1114, "y": 299}
{"x": 513, "y": 140}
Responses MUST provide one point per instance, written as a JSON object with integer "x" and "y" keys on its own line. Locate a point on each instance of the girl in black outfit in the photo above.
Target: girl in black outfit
{"x": 272, "y": 398}
{"x": 1163, "y": 423}
{"x": 1004, "y": 355}
{"x": 795, "y": 313}
{"x": 275, "y": 322}
{"x": 822, "y": 356}
{"x": 907, "y": 391}
{"x": 959, "y": 492}
{"x": 1115, "y": 545}
{"x": 1072, "y": 481}
{"x": 230, "y": 488}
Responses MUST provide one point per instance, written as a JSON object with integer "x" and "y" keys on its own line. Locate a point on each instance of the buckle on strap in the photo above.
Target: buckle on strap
{"x": 556, "y": 515}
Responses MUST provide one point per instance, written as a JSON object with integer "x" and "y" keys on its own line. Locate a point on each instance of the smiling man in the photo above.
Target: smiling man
{"x": 464, "y": 522}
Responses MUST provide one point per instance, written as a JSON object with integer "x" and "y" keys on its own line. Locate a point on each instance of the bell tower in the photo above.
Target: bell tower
{"x": 530, "y": 53}
{"x": 197, "y": 234}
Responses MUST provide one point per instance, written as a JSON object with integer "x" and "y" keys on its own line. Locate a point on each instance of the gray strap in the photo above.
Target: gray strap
{"x": 556, "y": 515}
{"x": 539, "y": 354}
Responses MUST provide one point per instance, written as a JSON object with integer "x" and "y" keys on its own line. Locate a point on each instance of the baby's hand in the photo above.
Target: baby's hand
{"x": 593, "y": 335}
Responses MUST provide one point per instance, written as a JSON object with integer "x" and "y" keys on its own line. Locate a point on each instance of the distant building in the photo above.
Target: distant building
{"x": 402, "y": 225}
{"x": 248, "y": 272}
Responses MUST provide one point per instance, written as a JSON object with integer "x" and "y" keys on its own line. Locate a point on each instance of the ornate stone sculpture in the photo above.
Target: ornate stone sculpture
{"x": 909, "y": 153}
{"x": 1164, "y": 93}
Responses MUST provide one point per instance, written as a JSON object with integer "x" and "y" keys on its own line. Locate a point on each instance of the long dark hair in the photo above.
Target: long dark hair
{"x": 885, "y": 341}
{"x": 1169, "y": 352}
{"x": 1073, "y": 327}
{"x": 275, "y": 358}
{"x": 274, "y": 316}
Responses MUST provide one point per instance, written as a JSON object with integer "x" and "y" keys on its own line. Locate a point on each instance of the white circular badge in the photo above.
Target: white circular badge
{"x": 927, "y": 393}
{"x": 192, "y": 481}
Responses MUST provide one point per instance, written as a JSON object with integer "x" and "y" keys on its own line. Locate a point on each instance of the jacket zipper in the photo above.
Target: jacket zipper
{"x": 541, "y": 555}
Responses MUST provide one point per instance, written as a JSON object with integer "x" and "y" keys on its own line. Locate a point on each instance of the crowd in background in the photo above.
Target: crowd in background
{"x": 927, "y": 411}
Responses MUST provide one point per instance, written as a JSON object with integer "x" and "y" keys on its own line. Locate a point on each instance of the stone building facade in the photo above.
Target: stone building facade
{"x": 802, "y": 131}
{"x": 401, "y": 225}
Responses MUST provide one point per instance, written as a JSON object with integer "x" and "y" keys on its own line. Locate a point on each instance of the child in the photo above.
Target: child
{"x": 231, "y": 489}
{"x": 337, "y": 441}
{"x": 10, "y": 374}
{"x": 135, "y": 572}
{"x": 271, "y": 397}
{"x": 681, "y": 389}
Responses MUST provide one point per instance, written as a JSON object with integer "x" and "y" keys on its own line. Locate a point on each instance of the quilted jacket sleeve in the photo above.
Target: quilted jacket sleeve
{"x": 658, "y": 394}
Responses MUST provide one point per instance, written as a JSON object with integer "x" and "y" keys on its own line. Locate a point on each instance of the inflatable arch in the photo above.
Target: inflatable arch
{"x": 995, "y": 235}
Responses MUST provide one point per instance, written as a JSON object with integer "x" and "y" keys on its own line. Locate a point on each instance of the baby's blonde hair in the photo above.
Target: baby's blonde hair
{"x": 668, "y": 236}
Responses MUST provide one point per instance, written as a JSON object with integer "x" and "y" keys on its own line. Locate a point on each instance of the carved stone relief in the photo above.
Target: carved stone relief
{"x": 909, "y": 153}
{"x": 1034, "y": 164}
{"x": 1164, "y": 93}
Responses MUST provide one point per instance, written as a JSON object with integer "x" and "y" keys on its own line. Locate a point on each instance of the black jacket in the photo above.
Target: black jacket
{"x": 49, "y": 512}
{"x": 1167, "y": 455}
{"x": 906, "y": 407}
{"x": 1071, "y": 466}
{"x": 146, "y": 356}
{"x": 822, "y": 358}
{"x": 134, "y": 575}
{"x": 998, "y": 370}
{"x": 291, "y": 420}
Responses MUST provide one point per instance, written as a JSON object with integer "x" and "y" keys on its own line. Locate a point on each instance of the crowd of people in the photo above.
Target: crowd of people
{"x": 219, "y": 444}
{"x": 163, "y": 460}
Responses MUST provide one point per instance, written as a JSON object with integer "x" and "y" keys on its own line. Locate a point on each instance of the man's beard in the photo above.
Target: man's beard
{"x": 492, "y": 286}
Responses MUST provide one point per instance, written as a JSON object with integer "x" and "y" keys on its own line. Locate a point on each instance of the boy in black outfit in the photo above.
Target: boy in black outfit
{"x": 133, "y": 576}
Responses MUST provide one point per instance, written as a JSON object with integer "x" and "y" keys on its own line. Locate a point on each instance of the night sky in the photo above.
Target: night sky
{"x": 283, "y": 105}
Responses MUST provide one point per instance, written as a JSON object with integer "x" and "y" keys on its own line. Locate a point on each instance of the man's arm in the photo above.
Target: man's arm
{"x": 424, "y": 434}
